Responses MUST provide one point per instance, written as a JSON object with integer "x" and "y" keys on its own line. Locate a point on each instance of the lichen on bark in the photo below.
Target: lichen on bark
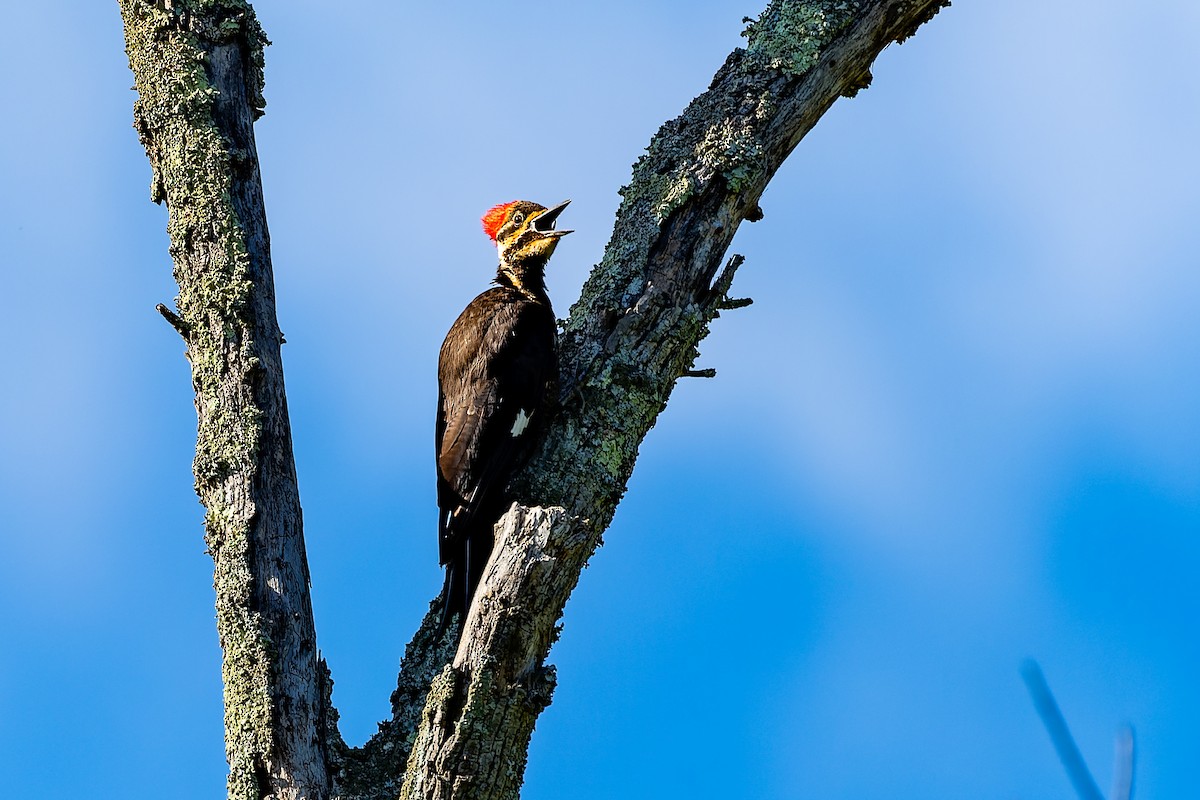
{"x": 790, "y": 37}
{"x": 197, "y": 66}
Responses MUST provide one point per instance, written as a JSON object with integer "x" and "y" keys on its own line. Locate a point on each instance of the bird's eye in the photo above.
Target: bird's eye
{"x": 518, "y": 217}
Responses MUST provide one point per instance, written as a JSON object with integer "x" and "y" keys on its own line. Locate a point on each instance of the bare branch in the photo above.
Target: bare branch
{"x": 735, "y": 303}
{"x": 1123, "y": 765}
{"x": 719, "y": 293}
{"x": 1060, "y": 734}
{"x": 171, "y": 317}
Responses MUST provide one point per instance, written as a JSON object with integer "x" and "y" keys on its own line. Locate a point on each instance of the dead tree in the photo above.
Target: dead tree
{"x": 461, "y": 719}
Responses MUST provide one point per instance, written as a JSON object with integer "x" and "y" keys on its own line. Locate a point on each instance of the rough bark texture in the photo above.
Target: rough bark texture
{"x": 479, "y": 716}
{"x": 461, "y": 720}
{"x": 632, "y": 334}
{"x": 198, "y": 71}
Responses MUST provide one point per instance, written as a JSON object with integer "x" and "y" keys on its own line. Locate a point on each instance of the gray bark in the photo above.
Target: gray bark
{"x": 198, "y": 73}
{"x": 462, "y": 720}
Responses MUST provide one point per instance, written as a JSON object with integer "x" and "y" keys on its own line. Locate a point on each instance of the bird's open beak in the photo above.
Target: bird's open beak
{"x": 543, "y": 223}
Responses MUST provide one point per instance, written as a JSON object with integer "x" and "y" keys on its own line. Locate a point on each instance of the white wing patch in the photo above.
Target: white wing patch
{"x": 521, "y": 422}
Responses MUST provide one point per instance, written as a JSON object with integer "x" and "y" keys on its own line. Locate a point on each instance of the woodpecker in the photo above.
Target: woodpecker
{"x": 497, "y": 373}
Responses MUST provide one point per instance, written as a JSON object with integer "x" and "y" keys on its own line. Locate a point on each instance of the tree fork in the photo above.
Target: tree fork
{"x": 631, "y": 336}
{"x": 198, "y": 70}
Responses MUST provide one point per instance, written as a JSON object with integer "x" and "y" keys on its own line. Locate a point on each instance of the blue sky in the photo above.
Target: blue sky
{"x": 957, "y": 428}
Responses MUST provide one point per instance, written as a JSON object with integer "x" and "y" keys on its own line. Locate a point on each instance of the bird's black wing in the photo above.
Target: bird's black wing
{"x": 496, "y": 367}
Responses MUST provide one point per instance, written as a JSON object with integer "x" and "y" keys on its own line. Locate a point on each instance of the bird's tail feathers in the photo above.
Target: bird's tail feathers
{"x": 464, "y": 571}
{"x": 453, "y": 591}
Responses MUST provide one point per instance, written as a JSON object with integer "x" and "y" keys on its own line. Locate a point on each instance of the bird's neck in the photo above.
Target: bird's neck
{"x": 527, "y": 276}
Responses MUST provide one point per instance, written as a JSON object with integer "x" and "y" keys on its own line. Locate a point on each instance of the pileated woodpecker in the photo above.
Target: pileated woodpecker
{"x": 496, "y": 375}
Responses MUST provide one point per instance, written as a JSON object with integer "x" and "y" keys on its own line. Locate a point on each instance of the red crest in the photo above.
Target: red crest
{"x": 494, "y": 218}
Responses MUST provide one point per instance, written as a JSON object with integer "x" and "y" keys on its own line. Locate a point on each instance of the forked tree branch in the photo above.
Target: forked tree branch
{"x": 461, "y": 720}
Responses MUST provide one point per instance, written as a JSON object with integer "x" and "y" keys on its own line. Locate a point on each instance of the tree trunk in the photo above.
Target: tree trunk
{"x": 461, "y": 719}
{"x": 198, "y": 71}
